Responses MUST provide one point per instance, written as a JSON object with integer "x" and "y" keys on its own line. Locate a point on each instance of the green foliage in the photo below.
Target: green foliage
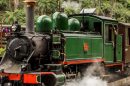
{"x": 119, "y": 9}
{"x": 69, "y": 11}
{"x": 106, "y": 8}
{"x": 3, "y": 5}
{"x": 87, "y": 3}
{"x": 2, "y": 51}
{"x": 46, "y": 6}
{"x": 71, "y": 7}
{"x": 10, "y": 16}
{"x": 121, "y": 12}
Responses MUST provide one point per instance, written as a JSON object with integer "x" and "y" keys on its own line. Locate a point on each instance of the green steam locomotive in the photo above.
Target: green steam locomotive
{"x": 59, "y": 48}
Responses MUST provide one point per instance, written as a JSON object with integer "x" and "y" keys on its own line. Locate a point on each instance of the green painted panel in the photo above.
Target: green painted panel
{"x": 108, "y": 52}
{"x": 74, "y": 47}
{"x": 119, "y": 47}
{"x": 97, "y": 47}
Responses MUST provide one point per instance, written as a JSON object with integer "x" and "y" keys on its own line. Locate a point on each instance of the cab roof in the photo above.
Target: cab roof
{"x": 104, "y": 18}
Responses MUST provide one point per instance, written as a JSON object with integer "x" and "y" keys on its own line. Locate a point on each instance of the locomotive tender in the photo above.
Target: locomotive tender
{"x": 60, "y": 47}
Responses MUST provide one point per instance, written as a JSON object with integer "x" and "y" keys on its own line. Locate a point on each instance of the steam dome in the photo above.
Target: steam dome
{"x": 73, "y": 24}
{"x": 60, "y": 21}
{"x": 44, "y": 24}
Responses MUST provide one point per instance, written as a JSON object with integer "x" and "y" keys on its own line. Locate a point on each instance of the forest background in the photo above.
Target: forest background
{"x": 11, "y": 10}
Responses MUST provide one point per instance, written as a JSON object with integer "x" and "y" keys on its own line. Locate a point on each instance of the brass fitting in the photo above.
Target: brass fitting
{"x": 30, "y": 2}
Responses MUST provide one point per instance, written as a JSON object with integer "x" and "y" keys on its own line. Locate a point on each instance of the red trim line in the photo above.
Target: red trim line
{"x": 47, "y": 73}
{"x": 83, "y": 61}
{"x": 114, "y": 64}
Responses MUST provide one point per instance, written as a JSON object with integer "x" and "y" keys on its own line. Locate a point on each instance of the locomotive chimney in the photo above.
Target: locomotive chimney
{"x": 29, "y": 5}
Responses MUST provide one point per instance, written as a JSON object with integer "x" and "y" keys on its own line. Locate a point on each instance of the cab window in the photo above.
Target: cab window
{"x": 110, "y": 30}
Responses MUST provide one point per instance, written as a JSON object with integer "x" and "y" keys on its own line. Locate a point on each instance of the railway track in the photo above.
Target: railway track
{"x": 121, "y": 82}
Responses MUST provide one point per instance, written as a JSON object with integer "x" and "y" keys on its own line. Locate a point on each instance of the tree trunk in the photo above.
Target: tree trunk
{"x": 10, "y": 5}
{"x": 16, "y": 4}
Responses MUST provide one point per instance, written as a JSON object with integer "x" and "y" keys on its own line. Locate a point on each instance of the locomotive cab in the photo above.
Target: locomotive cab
{"x": 111, "y": 47}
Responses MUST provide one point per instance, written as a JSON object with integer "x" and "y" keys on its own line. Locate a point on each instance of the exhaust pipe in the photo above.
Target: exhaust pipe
{"x": 29, "y": 5}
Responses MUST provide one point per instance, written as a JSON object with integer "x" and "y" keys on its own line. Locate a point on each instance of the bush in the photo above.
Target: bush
{"x": 2, "y": 51}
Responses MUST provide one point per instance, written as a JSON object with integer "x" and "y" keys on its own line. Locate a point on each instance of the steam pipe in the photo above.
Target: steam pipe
{"x": 29, "y": 6}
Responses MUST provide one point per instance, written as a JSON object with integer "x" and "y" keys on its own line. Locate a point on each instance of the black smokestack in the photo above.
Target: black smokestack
{"x": 29, "y": 15}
